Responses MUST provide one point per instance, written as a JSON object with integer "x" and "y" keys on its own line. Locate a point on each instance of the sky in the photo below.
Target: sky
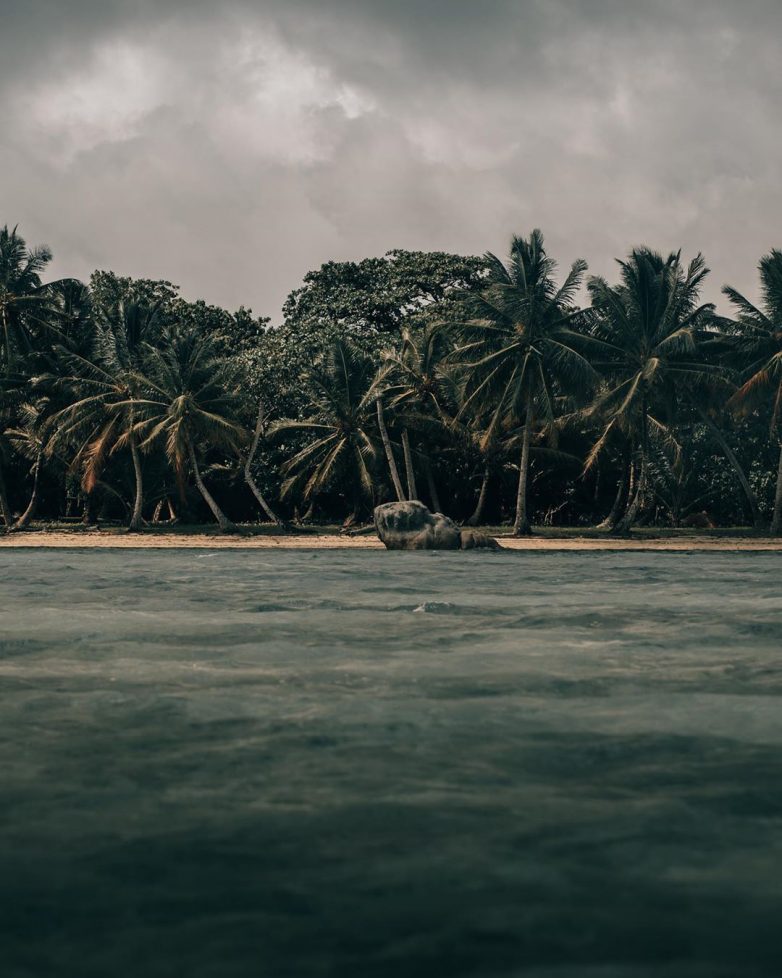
{"x": 231, "y": 147}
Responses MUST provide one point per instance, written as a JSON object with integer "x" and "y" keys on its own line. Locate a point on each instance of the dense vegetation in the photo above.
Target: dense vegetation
{"x": 480, "y": 386}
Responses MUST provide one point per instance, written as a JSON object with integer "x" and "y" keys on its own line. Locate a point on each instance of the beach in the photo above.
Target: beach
{"x": 155, "y": 540}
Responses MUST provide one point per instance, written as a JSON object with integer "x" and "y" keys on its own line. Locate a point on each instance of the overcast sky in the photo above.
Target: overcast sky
{"x": 230, "y": 147}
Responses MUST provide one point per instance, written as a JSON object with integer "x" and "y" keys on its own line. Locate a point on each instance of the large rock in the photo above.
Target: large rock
{"x": 410, "y": 526}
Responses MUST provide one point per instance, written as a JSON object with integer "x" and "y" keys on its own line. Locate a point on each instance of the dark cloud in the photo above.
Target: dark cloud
{"x": 231, "y": 148}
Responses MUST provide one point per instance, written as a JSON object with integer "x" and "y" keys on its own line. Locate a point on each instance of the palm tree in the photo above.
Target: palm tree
{"x": 646, "y": 328}
{"x": 26, "y": 315}
{"x": 709, "y": 406}
{"x": 342, "y": 402}
{"x": 467, "y": 439}
{"x": 675, "y": 486}
{"x": 490, "y": 446}
{"x": 757, "y": 339}
{"x": 387, "y": 447}
{"x": 29, "y": 440}
{"x": 412, "y": 379}
{"x": 520, "y": 345}
{"x": 5, "y": 509}
{"x": 27, "y": 306}
{"x": 103, "y": 414}
{"x": 190, "y": 402}
{"x": 260, "y": 427}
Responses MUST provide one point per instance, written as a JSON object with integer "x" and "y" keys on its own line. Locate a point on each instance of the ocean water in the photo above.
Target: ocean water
{"x": 229, "y": 764}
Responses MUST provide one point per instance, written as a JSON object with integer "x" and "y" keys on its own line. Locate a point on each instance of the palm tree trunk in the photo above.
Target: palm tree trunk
{"x": 6, "y": 339}
{"x": 521, "y": 525}
{"x": 730, "y": 455}
{"x": 226, "y": 526}
{"x": 248, "y": 476}
{"x": 381, "y": 423}
{"x": 627, "y": 522}
{"x": 776, "y": 522}
{"x": 636, "y": 495}
{"x": 432, "y": 486}
{"x": 28, "y": 514}
{"x": 609, "y": 523}
{"x": 5, "y": 510}
{"x": 352, "y": 518}
{"x": 136, "y": 521}
{"x": 637, "y": 500}
{"x": 86, "y": 515}
{"x": 477, "y": 515}
{"x": 412, "y": 491}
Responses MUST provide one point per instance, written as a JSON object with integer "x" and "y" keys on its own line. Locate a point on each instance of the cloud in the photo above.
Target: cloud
{"x": 232, "y": 148}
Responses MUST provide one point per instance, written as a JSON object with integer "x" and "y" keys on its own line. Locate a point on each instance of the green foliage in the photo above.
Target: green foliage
{"x": 498, "y": 396}
{"x": 189, "y": 398}
{"x": 108, "y": 290}
{"x": 341, "y": 425}
{"x": 757, "y": 341}
{"x": 521, "y": 345}
{"x": 359, "y": 300}
{"x": 647, "y": 328}
{"x": 522, "y": 348}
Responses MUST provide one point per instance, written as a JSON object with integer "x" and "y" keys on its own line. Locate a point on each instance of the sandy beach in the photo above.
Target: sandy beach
{"x": 116, "y": 538}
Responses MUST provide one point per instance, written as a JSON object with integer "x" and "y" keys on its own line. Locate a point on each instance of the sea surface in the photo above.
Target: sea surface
{"x": 250, "y": 763}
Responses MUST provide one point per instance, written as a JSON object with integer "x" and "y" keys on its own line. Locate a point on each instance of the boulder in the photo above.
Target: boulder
{"x": 475, "y": 540}
{"x": 700, "y": 521}
{"x": 410, "y": 526}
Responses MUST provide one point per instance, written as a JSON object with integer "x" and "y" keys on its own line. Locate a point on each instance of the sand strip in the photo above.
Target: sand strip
{"x": 115, "y": 539}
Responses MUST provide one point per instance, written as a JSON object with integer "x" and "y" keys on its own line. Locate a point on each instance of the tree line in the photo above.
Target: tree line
{"x": 493, "y": 390}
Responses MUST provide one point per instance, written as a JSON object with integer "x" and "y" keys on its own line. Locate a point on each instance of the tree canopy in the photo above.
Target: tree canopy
{"x": 492, "y": 389}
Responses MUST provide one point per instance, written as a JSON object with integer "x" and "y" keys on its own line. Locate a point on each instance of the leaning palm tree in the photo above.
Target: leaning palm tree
{"x": 342, "y": 402}
{"x": 388, "y": 447}
{"x": 29, "y": 440}
{"x": 258, "y": 433}
{"x": 519, "y": 344}
{"x": 646, "y": 327}
{"x": 5, "y": 422}
{"x": 103, "y": 413}
{"x": 757, "y": 339}
{"x": 191, "y": 402}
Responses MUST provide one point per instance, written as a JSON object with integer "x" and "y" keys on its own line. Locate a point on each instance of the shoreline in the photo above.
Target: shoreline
{"x": 114, "y": 538}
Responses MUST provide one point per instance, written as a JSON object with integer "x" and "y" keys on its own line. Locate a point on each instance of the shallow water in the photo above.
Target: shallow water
{"x": 336, "y": 763}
